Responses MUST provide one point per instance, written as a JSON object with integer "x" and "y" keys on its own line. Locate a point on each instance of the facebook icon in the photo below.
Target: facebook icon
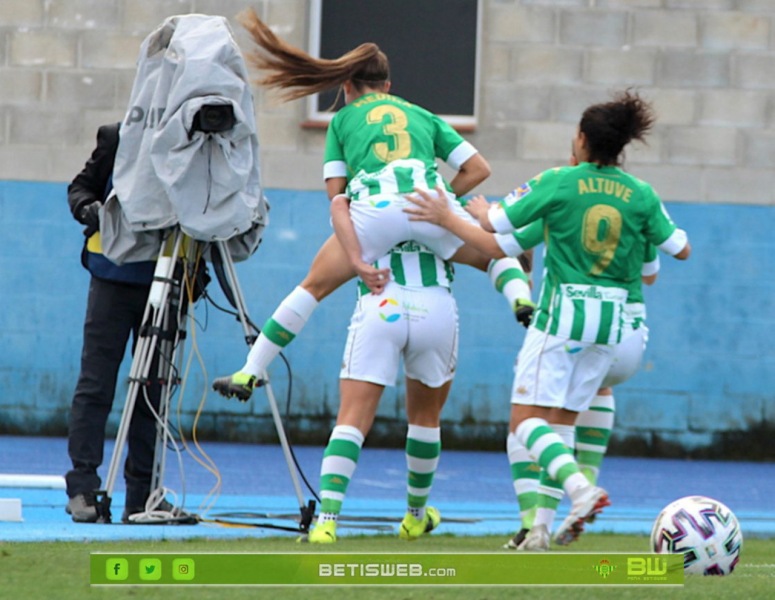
{"x": 116, "y": 569}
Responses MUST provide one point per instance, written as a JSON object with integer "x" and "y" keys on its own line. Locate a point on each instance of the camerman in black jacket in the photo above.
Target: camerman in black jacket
{"x": 114, "y": 309}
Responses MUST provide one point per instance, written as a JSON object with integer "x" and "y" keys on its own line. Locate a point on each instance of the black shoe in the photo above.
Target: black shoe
{"x": 83, "y": 508}
{"x": 514, "y": 542}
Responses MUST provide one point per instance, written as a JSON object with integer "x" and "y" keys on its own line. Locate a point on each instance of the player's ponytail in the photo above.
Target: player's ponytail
{"x": 299, "y": 74}
{"x": 610, "y": 126}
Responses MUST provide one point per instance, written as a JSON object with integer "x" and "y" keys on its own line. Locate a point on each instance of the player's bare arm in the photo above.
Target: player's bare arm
{"x": 434, "y": 208}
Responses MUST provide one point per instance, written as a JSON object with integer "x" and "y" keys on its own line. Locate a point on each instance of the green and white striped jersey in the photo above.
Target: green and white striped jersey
{"x": 529, "y": 236}
{"x": 413, "y": 265}
{"x": 383, "y": 144}
{"x": 597, "y": 221}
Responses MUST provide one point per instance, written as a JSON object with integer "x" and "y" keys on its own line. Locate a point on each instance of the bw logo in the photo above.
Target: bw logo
{"x": 646, "y": 566}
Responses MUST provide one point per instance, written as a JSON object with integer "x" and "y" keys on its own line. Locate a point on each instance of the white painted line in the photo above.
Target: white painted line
{"x": 14, "y": 480}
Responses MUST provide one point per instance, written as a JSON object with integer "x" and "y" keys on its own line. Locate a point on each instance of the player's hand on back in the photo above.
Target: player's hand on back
{"x": 430, "y": 206}
{"x": 375, "y": 279}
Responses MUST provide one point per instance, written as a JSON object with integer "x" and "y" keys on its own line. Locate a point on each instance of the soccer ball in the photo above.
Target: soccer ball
{"x": 704, "y": 530}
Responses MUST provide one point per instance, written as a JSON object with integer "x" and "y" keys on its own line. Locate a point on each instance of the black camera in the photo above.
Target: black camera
{"x": 213, "y": 118}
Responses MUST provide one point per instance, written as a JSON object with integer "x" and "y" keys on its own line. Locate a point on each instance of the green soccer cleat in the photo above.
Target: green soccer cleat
{"x": 412, "y": 527}
{"x": 239, "y": 385}
{"x": 323, "y": 533}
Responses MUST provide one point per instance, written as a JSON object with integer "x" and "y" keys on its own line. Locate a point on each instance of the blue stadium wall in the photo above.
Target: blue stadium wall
{"x": 706, "y": 386}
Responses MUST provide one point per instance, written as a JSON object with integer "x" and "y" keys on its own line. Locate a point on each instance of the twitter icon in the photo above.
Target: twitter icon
{"x": 150, "y": 569}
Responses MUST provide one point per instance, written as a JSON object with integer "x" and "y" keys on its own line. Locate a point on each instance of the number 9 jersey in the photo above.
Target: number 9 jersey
{"x": 597, "y": 221}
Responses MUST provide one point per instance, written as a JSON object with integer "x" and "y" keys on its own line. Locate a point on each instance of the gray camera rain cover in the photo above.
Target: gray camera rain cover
{"x": 165, "y": 173}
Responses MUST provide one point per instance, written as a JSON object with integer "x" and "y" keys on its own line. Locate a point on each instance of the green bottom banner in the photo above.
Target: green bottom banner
{"x": 356, "y": 569}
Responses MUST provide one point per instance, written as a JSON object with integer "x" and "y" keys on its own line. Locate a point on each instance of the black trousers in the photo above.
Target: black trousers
{"x": 113, "y": 311}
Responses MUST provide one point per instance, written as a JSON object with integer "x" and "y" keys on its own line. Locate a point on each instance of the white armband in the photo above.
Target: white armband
{"x": 334, "y": 168}
{"x": 509, "y": 244}
{"x": 650, "y": 268}
{"x": 499, "y": 219}
{"x": 675, "y": 243}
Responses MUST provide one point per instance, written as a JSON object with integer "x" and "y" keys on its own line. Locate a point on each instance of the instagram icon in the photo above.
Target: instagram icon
{"x": 183, "y": 569}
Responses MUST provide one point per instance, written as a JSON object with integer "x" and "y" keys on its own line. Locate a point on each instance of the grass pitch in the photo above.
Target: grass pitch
{"x": 38, "y": 570}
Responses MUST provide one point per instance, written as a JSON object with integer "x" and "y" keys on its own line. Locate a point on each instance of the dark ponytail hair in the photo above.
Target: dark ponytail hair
{"x": 610, "y": 126}
{"x": 299, "y": 74}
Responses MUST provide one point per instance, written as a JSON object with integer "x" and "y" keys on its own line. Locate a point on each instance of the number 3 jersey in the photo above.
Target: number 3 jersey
{"x": 597, "y": 222}
{"x": 383, "y": 144}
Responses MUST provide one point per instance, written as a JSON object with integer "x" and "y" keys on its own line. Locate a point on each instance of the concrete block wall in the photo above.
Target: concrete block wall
{"x": 68, "y": 65}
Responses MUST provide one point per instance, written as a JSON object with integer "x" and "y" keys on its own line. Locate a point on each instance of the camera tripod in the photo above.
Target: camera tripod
{"x": 157, "y": 358}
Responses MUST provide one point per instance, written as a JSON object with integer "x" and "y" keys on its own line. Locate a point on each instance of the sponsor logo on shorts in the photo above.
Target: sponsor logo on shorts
{"x": 379, "y": 203}
{"x": 389, "y": 304}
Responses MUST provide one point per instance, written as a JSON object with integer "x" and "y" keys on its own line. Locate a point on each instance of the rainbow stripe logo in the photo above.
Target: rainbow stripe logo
{"x": 389, "y": 318}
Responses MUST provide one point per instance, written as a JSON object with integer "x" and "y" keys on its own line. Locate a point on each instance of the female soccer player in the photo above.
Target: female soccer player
{"x": 597, "y": 219}
{"x": 415, "y": 319}
{"x": 378, "y": 147}
{"x": 538, "y": 496}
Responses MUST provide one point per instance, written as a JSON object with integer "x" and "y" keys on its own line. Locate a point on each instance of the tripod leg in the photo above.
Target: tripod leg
{"x": 307, "y": 512}
{"x": 141, "y": 363}
{"x": 165, "y": 367}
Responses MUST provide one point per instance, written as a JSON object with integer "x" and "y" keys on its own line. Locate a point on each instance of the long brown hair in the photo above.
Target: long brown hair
{"x": 299, "y": 74}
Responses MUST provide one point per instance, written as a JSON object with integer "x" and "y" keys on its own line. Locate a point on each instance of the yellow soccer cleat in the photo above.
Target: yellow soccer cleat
{"x": 412, "y": 527}
{"x": 323, "y": 533}
{"x": 239, "y": 385}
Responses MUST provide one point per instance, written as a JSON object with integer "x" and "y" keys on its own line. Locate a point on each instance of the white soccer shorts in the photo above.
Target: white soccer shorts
{"x": 627, "y": 356}
{"x": 556, "y": 372}
{"x": 381, "y": 223}
{"x": 418, "y": 324}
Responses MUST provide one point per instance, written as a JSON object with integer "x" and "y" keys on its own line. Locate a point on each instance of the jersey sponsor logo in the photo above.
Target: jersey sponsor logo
{"x": 518, "y": 194}
{"x": 593, "y": 292}
{"x": 389, "y": 304}
{"x": 583, "y": 293}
